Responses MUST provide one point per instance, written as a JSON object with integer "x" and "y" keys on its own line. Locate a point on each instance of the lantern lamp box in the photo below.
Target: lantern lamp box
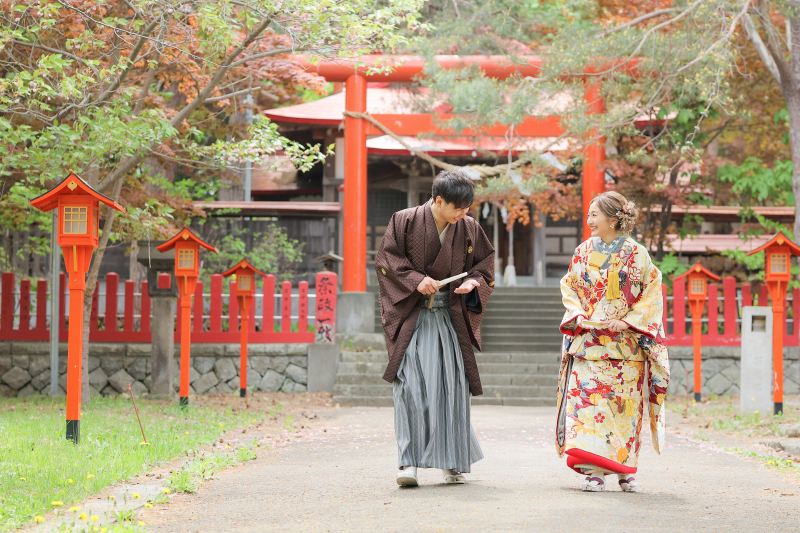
{"x": 245, "y": 277}
{"x": 777, "y": 253}
{"x": 187, "y": 248}
{"x": 698, "y": 277}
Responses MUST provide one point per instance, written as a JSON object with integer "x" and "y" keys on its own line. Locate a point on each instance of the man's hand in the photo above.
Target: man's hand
{"x": 467, "y": 286}
{"x": 428, "y": 286}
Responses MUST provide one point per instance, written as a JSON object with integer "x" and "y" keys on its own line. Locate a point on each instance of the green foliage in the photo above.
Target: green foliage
{"x": 273, "y": 252}
{"x": 38, "y": 465}
{"x": 757, "y": 184}
{"x": 670, "y": 268}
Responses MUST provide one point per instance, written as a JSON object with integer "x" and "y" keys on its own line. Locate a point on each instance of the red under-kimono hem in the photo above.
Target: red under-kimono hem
{"x": 580, "y": 457}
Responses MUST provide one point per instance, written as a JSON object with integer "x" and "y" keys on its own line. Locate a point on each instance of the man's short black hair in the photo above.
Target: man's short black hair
{"x": 455, "y": 187}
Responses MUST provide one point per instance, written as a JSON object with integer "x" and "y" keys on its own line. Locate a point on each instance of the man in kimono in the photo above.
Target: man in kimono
{"x": 431, "y": 329}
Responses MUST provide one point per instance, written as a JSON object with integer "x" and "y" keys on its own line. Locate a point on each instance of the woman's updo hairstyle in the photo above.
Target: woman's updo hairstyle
{"x": 615, "y": 206}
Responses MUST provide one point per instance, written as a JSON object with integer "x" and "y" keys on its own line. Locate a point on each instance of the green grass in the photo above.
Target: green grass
{"x": 781, "y": 464}
{"x": 722, "y": 413}
{"x": 39, "y": 466}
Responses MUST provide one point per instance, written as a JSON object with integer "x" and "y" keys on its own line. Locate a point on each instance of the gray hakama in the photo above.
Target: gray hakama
{"x": 431, "y": 396}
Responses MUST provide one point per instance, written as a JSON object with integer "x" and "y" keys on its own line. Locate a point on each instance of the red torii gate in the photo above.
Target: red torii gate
{"x": 407, "y": 69}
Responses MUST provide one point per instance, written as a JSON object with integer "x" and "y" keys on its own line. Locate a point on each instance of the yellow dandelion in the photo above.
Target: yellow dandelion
{"x": 165, "y": 491}
{"x": 227, "y": 447}
{"x": 56, "y": 504}
{"x": 75, "y": 508}
{"x": 756, "y": 411}
{"x": 69, "y": 481}
{"x": 141, "y": 523}
{"x": 89, "y": 476}
{"x": 135, "y": 495}
{"x": 95, "y": 528}
{"x": 39, "y": 519}
{"x": 104, "y": 530}
{"x": 222, "y": 425}
{"x": 23, "y": 479}
{"x": 83, "y": 516}
{"x": 187, "y": 432}
{"x": 112, "y": 497}
{"x": 753, "y": 399}
{"x": 144, "y": 444}
{"x": 94, "y": 518}
{"x": 148, "y": 505}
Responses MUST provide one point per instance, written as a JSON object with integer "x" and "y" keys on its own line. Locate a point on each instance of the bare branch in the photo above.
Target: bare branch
{"x": 725, "y": 37}
{"x": 636, "y": 21}
{"x": 758, "y": 44}
{"x": 237, "y": 93}
{"x": 61, "y": 52}
{"x": 129, "y": 164}
{"x": 275, "y": 52}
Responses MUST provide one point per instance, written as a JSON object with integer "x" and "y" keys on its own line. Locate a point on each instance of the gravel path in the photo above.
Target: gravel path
{"x": 339, "y": 476}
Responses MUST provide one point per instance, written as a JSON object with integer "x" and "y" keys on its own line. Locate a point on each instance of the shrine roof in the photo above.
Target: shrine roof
{"x": 462, "y": 146}
{"x": 328, "y": 111}
{"x": 714, "y": 243}
{"x": 697, "y": 267}
{"x": 779, "y": 239}
{"x": 270, "y": 209}
{"x": 72, "y": 185}
{"x": 241, "y": 264}
{"x": 185, "y": 234}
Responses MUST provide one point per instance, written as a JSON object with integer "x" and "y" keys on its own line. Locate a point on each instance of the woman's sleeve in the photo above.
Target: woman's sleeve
{"x": 571, "y": 299}
{"x": 645, "y": 314}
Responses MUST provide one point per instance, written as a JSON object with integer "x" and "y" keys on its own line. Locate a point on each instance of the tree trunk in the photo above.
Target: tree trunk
{"x": 793, "y": 106}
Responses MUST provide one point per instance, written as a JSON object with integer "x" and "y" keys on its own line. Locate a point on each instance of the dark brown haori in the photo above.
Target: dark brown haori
{"x": 410, "y": 250}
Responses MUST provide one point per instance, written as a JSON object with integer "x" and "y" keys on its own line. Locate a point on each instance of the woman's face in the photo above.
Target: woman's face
{"x": 600, "y": 225}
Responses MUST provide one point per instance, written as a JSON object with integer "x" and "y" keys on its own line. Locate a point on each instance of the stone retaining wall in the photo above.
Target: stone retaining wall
{"x": 25, "y": 368}
{"x": 722, "y": 370}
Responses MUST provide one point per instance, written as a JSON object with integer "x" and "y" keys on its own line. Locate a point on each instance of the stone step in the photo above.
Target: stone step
{"x": 364, "y": 401}
{"x": 493, "y": 391}
{"x": 378, "y": 368}
{"x": 388, "y": 401}
{"x": 522, "y": 320}
{"x": 524, "y": 347}
{"x": 482, "y": 357}
{"x": 487, "y": 379}
{"x": 525, "y": 298}
{"x": 545, "y": 401}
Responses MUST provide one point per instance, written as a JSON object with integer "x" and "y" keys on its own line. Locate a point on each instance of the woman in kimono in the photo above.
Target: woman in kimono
{"x": 613, "y": 346}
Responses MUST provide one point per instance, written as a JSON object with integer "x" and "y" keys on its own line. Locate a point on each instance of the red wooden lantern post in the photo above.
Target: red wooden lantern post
{"x": 187, "y": 269}
{"x": 246, "y": 296}
{"x": 777, "y": 254}
{"x": 698, "y": 294}
{"x": 78, "y": 232}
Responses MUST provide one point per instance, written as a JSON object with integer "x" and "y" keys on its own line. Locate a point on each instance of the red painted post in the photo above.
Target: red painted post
{"x": 62, "y": 306}
{"x": 7, "y": 305}
{"x": 286, "y": 307}
{"x": 713, "y": 323}
{"x": 594, "y": 181}
{"x": 269, "y": 304}
{"x": 41, "y": 305}
{"x": 354, "y": 268}
{"x": 233, "y": 309}
{"x": 747, "y": 299}
{"x": 144, "y": 325}
{"x": 197, "y": 326}
{"x": 730, "y": 308}
{"x": 302, "y": 307}
{"x": 25, "y": 305}
{"x": 112, "y": 286}
{"x": 679, "y": 307}
{"x": 127, "y": 320}
{"x": 796, "y": 317}
{"x": 216, "y": 304}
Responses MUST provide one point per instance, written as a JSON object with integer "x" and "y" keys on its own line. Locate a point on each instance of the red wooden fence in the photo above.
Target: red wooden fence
{"x": 216, "y": 326}
{"x": 679, "y": 326}
{"x": 113, "y": 326}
